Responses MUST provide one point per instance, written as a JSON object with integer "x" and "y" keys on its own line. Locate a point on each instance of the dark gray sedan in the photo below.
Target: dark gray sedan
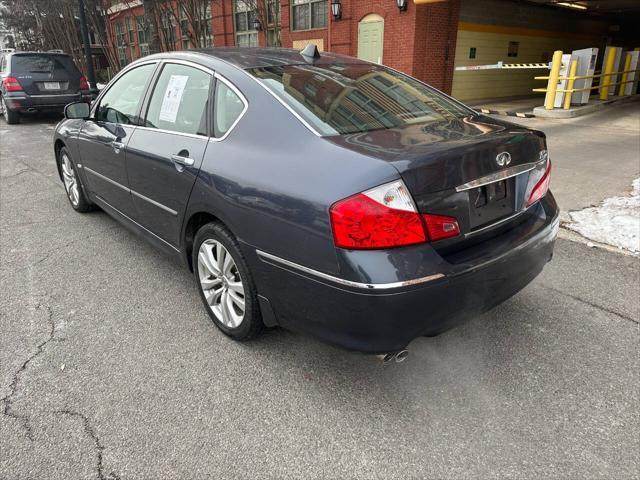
{"x": 317, "y": 192}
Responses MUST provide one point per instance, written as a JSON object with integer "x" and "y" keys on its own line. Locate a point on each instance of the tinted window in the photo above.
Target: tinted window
{"x": 39, "y": 63}
{"x": 349, "y": 98}
{"x": 180, "y": 99}
{"x": 120, "y": 103}
{"x": 228, "y": 107}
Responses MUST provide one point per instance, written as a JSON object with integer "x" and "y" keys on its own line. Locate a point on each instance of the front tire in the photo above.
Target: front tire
{"x": 10, "y": 116}
{"x": 225, "y": 283}
{"x": 73, "y": 184}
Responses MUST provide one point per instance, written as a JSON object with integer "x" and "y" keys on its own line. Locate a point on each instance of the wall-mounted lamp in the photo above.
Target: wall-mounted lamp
{"x": 336, "y": 9}
{"x": 256, "y": 24}
{"x": 402, "y": 5}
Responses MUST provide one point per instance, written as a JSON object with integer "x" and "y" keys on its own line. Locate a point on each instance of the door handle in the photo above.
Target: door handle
{"x": 184, "y": 161}
{"x": 117, "y": 146}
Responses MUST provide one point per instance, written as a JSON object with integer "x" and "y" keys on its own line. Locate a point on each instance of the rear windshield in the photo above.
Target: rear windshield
{"x": 350, "y": 98}
{"x": 42, "y": 63}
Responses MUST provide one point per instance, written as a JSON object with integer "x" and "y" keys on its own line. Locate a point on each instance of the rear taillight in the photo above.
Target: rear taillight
{"x": 541, "y": 187}
{"x": 440, "y": 227}
{"x": 11, "y": 84}
{"x": 84, "y": 85}
{"x": 386, "y": 217}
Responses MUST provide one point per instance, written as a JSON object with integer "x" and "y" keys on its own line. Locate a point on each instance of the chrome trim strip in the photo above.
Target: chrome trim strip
{"x": 132, "y": 192}
{"x": 133, "y": 221}
{"x": 237, "y": 120}
{"x": 267, "y": 257}
{"x": 497, "y": 224}
{"x": 153, "y": 202}
{"x": 495, "y": 177}
{"x": 107, "y": 179}
{"x": 171, "y": 132}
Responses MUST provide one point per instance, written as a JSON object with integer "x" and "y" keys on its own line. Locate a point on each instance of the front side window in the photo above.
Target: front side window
{"x": 308, "y": 14}
{"x": 358, "y": 97}
{"x": 120, "y": 103}
{"x": 227, "y": 109}
{"x": 246, "y": 35}
{"x": 180, "y": 100}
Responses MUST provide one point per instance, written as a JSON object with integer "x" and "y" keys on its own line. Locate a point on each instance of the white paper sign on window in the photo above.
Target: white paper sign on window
{"x": 172, "y": 98}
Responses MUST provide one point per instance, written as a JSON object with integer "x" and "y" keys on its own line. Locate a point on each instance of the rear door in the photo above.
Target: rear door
{"x": 165, "y": 155}
{"x": 46, "y": 74}
{"x": 102, "y": 141}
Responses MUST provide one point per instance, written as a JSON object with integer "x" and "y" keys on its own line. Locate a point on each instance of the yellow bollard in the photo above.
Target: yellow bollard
{"x": 627, "y": 66}
{"x": 552, "y": 86}
{"x": 568, "y": 94}
{"x": 605, "y": 81}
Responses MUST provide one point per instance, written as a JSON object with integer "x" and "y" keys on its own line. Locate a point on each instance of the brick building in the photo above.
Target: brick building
{"x": 426, "y": 39}
{"x": 419, "y": 40}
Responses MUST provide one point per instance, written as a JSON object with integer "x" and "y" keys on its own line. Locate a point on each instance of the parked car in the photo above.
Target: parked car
{"x": 316, "y": 192}
{"x": 39, "y": 82}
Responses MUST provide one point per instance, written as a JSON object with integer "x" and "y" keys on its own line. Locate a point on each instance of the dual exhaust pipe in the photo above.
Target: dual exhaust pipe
{"x": 399, "y": 357}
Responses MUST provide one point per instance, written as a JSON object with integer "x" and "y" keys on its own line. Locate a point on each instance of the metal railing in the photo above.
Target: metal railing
{"x": 605, "y": 80}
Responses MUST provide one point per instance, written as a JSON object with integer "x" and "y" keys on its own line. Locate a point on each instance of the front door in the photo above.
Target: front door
{"x": 165, "y": 154}
{"x": 103, "y": 140}
{"x": 370, "y": 40}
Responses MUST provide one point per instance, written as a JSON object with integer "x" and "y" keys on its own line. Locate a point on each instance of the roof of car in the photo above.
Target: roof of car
{"x": 269, "y": 57}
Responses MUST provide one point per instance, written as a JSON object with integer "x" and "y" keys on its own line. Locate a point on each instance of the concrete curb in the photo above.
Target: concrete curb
{"x": 508, "y": 114}
{"x": 573, "y": 112}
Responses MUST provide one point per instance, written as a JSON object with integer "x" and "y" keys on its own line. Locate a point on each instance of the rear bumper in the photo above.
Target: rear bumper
{"x": 361, "y": 317}
{"x": 21, "y": 102}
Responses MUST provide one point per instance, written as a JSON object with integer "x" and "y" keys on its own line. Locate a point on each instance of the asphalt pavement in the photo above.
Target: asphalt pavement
{"x": 111, "y": 368}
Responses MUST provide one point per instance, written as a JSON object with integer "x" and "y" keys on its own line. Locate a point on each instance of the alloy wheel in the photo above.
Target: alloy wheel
{"x": 221, "y": 283}
{"x": 70, "y": 180}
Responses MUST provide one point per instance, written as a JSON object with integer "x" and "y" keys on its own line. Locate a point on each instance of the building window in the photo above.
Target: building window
{"x": 308, "y": 14}
{"x": 204, "y": 27}
{"x": 132, "y": 36}
{"x": 168, "y": 28}
{"x": 184, "y": 27}
{"x": 132, "y": 51}
{"x": 120, "y": 44}
{"x": 143, "y": 36}
{"x": 246, "y": 36}
{"x": 273, "y": 23}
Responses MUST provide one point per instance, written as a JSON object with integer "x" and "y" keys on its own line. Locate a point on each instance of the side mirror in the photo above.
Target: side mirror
{"x": 78, "y": 110}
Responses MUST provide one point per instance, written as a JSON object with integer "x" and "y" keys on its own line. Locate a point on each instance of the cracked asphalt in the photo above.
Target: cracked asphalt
{"x": 110, "y": 368}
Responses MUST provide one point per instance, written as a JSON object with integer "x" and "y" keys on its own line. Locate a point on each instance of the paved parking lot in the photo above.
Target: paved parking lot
{"x": 110, "y": 368}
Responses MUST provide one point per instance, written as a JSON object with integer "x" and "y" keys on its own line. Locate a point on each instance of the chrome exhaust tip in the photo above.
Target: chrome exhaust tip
{"x": 399, "y": 357}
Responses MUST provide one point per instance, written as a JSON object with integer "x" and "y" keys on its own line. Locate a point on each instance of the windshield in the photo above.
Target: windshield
{"x": 350, "y": 98}
{"x": 39, "y": 63}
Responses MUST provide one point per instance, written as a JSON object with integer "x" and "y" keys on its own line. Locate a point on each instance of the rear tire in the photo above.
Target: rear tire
{"x": 10, "y": 116}
{"x": 72, "y": 183}
{"x": 225, "y": 284}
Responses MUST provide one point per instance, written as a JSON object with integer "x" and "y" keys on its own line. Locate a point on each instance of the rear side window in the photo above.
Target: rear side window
{"x": 358, "y": 97}
{"x": 228, "y": 108}
{"x": 39, "y": 63}
{"x": 120, "y": 103}
{"x": 180, "y": 99}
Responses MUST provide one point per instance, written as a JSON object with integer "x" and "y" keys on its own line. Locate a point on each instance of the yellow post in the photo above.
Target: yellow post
{"x": 552, "y": 86}
{"x": 606, "y": 75}
{"x": 627, "y": 66}
{"x": 568, "y": 94}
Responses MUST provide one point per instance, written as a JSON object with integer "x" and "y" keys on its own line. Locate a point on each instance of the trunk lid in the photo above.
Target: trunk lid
{"x": 441, "y": 163}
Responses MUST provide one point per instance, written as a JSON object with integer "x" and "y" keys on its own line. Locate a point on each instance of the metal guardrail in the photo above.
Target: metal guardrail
{"x": 605, "y": 80}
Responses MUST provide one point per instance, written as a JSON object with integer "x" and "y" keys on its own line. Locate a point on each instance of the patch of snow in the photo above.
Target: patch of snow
{"x": 616, "y": 222}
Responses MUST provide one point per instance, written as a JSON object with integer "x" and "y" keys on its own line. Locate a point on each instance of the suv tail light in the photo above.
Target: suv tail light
{"x": 11, "y": 84}
{"x": 385, "y": 217}
{"x": 84, "y": 85}
{"x": 542, "y": 186}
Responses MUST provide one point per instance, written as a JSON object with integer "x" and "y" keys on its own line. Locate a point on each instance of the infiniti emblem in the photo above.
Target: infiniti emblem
{"x": 503, "y": 159}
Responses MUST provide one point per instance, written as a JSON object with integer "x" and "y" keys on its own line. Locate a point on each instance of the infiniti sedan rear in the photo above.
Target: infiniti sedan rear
{"x": 316, "y": 192}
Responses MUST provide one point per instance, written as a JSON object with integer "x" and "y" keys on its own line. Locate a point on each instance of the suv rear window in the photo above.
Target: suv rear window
{"x": 357, "y": 97}
{"x": 41, "y": 63}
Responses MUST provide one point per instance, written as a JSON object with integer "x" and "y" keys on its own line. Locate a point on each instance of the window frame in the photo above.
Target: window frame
{"x": 250, "y": 31}
{"x": 310, "y": 3}
{"x": 152, "y": 86}
{"x": 116, "y": 79}
{"x": 220, "y": 79}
